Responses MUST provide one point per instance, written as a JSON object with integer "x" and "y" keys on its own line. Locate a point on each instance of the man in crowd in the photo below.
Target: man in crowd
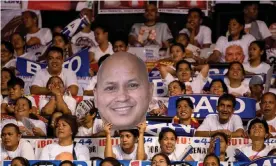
{"x": 151, "y": 32}
{"x": 268, "y": 109}
{"x": 234, "y": 53}
{"x": 55, "y": 68}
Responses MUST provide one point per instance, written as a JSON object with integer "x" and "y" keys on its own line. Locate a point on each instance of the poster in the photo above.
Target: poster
{"x": 121, "y": 7}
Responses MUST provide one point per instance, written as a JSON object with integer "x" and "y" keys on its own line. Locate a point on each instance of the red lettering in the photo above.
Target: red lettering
{"x": 234, "y": 141}
{"x": 246, "y": 141}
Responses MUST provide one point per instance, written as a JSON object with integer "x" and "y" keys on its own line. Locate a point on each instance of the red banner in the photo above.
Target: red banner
{"x": 110, "y": 7}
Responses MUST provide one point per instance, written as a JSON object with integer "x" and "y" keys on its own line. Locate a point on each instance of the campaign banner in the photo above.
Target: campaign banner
{"x": 64, "y": 5}
{"x": 181, "y": 7}
{"x": 11, "y": 4}
{"x": 121, "y": 7}
{"x": 50, "y": 162}
{"x": 147, "y": 54}
{"x": 78, "y": 63}
{"x": 264, "y": 161}
{"x": 181, "y": 130}
{"x": 206, "y": 104}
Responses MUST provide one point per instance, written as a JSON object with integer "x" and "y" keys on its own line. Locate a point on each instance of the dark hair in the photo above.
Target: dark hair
{"x": 183, "y": 62}
{"x": 67, "y": 162}
{"x": 103, "y": 27}
{"x": 64, "y": 38}
{"x": 233, "y": 63}
{"x": 17, "y": 130}
{"x": 224, "y": 87}
{"x": 181, "y": 84}
{"x": 249, "y": 3}
{"x": 72, "y": 122}
{"x": 32, "y": 14}
{"x": 178, "y": 45}
{"x": 8, "y": 45}
{"x": 16, "y": 81}
{"x": 272, "y": 152}
{"x": 22, "y": 160}
{"x": 55, "y": 49}
{"x": 268, "y": 93}
{"x": 257, "y": 120}
{"x": 183, "y": 34}
{"x": 25, "y": 98}
{"x": 198, "y": 10}
{"x": 111, "y": 160}
{"x": 241, "y": 21}
{"x": 261, "y": 45}
{"x": 223, "y": 135}
{"x": 164, "y": 156}
{"x": 187, "y": 99}
{"x": 50, "y": 79}
{"x": 125, "y": 41}
{"x": 17, "y": 33}
{"x": 211, "y": 155}
{"x": 102, "y": 59}
{"x": 12, "y": 75}
{"x": 134, "y": 132}
{"x": 164, "y": 131}
{"x": 228, "y": 97}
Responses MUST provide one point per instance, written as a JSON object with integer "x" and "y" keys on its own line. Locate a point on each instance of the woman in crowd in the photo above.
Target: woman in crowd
{"x": 258, "y": 132}
{"x": 6, "y": 75}
{"x": 65, "y": 148}
{"x": 52, "y": 124}
{"x": 218, "y": 87}
{"x": 24, "y": 116}
{"x": 127, "y": 149}
{"x": 211, "y": 160}
{"x": 237, "y": 36}
{"x": 7, "y": 58}
{"x": 167, "y": 140}
{"x": 176, "y": 88}
{"x": 160, "y": 159}
{"x": 184, "y": 112}
{"x": 60, "y": 101}
{"x": 257, "y": 59}
{"x": 20, "y": 161}
{"x": 12, "y": 144}
{"x": 235, "y": 76}
{"x": 110, "y": 161}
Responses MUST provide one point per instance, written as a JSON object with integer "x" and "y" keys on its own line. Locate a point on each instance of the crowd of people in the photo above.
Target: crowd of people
{"x": 121, "y": 90}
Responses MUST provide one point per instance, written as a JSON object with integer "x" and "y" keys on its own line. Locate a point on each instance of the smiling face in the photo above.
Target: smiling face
{"x": 22, "y": 109}
{"x": 234, "y": 27}
{"x": 184, "y": 111}
{"x": 123, "y": 91}
{"x": 225, "y": 110}
{"x": 257, "y": 131}
{"x": 216, "y": 88}
{"x": 175, "y": 89}
{"x": 194, "y": 19}
{"x": 167, "y": 143}
{"x": 235, "y": 72}
{"x": 55, "y": 61}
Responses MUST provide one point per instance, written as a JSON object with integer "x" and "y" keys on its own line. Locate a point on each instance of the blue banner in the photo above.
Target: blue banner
{"x": 50, "y": 162}
{"x": 79, "y": 63}
{"x": 206, "y": 104}
{"x": 181, "y": 130}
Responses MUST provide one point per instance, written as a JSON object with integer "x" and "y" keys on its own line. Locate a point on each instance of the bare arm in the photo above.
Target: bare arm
{"x": 238, "y": 133}
{"x": 4, "y": 108}
{"x": 215, "y": 57}
{"x": 61, "y": 105}
{"x": 141, "y": 155}
{"x": 132, "y": 40}
{"x": 203, "y": 133}
{"x": 108, "y": 152}
{"x": 50, "y": 107}
{"x": 37, "y": 90}
{"x": 88, "y": 93}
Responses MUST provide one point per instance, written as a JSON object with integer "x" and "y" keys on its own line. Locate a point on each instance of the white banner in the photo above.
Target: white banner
{"x": 121, "y": 7}
{"x": 11, "y": 4}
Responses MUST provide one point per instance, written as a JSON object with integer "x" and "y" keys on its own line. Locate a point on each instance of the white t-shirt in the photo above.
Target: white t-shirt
{"x": 204, "y": 35}
{"x": 261, "y": 69}
{"x": 11, "y": 63}
{"x": 262, "y": 28}
{"x": 194, "y": 49}
{"x": 24, "y": 149}
{"x": 51, "y": 151}
{"x": 240, "y": 90}
{"x": 272, "y": 125}
{"x": 83, "y": 39}
{"x": 211, "y": 123}
{"x": 97, "y": 127}
{"x": 162, "y": 30}
{"x": 36, "y": 123}
{"x": 69, "y": 101}
{"x": 121, "y": 155}
{"x": 92, "y": 83}
{"x": 252, "y": 155}
{"x": 42, "y": 76}
{"x": 99, "y": 53}
{"x": 222, "y": 44}
{"x": 44, "y": 35}
{"x": 7, "y": 100}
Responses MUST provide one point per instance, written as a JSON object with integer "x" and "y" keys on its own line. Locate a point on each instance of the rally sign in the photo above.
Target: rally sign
{"x": 50, "y": 162}
{"x": 206, "y": 104}
{"x": 78, "y": 63}
{"x": 119, "y": 7}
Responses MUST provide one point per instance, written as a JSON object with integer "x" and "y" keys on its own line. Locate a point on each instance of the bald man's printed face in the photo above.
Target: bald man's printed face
{"x": 234, "y": 53}
{"x": 123, "y": 92}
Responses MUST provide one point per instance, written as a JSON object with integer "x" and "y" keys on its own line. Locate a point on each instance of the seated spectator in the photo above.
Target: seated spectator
{"x": 23, "y": 116}
{"x": 35, "y": 36}
{"x": 151, "y": 32}
{"x": 257, "y": 59}
{"x": 184, "y": 110}
{"x": 7, "y": 58}
{"x": 6, "y": 76}
{"x": 20, "y": 161}
{"x": 86, "y": 37}
{"x": 225, "y": 121}
{"x": 190, "y": 50}
{"x": 184, "y": 73}
{"x": 51, "y": 130}
{"x": 57, "y": 29}
{"x": 120, "y": 45}
{"x": 256, "y": 28}
{"x": 65, "y": 148}
{"x": 55, "y": 68}
{"x": 110, "y": 161}
{"x": 66, "y": 163}
{"x": 104, "y": 46}
{"x": 12, "y": 144}
{"x": 88, "y": 91}
{"x": 200, "y": 35}
{"x": 127, "y": 149}
{"x": 256, "y": 91}
{"x": 167, "y": 140}
{"x": 211, "y": 160}
{"x": 234, "y": 53}
{"x": 16, "y": 90}
{"x": 218, "y": 87}
{"x": 236, "y": 36}
{"x": 235, "y": 77}
{"x": 176, "y": 88}
{"x": 258, "y": 132}
{"x": 268, "y": 110}
{"x": 160, "y": 159}
{"x": 60, "y": 101}
{"x": 223, "y": 146}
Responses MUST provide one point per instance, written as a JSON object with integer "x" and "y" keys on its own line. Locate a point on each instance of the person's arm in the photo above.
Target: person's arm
{"x": 204, "y": 133}
{"x": 215, "y": 56}
{"x": 141, "y": 155}
{"x": 99, "y": 134}
{"x": 61, "y": 105}
{"x": 108, "y": 152}
{"x": 33, "y": 41}
{"x": 238, "y": 133}
{"x": 37, "y": 90}
{"x": 6, "y": 109}
{"x": 38, "y": 132}
{"x": 92, "y": 58}
{"x": 204, "y": 130}
{"x": 88, "y": 93}
{"x": 50, "y": 107}
{"x": 132, "y": 40}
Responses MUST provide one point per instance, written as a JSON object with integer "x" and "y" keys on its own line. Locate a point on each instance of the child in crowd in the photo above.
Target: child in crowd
{"x": 120, "y": 45}
{"x": 257, "y": 59}
{"x": 16, "y": 90}
{"x": 190, "y": 50}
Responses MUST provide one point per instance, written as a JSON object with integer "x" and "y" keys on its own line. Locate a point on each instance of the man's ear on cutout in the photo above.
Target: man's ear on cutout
{"x": 95, "y": 97}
